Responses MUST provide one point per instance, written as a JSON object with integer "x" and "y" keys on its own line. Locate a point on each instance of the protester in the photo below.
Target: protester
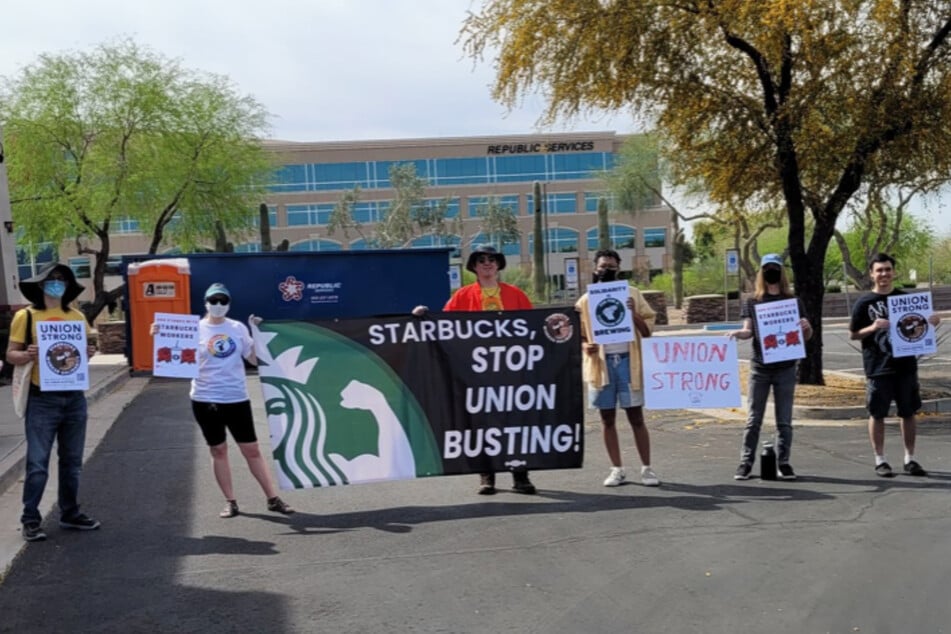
{"x": 771, "y": 286}
{"x": 220, "y": 398}
{"x": 50, "y": 415}
{"x": 888, "y": 378}
{"x": 489, "y": 293}
{"x": 614, "y": 374}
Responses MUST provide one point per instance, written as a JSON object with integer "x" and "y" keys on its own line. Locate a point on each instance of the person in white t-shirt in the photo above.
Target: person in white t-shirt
{"x": 220, "y": 398}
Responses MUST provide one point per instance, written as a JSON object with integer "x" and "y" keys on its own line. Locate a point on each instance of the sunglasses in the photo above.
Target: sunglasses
{"x": 218, "y": 300}
{"x": 485, "y": 259}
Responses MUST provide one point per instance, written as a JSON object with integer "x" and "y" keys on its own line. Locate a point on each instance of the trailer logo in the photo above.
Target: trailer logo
{"x": 291, "y": 289}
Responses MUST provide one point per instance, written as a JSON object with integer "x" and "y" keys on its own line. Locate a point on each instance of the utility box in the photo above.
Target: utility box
{"x": 155, "y": 286}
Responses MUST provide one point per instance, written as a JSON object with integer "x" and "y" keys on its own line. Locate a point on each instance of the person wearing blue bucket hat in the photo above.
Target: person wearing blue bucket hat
{"x": 771, "y": 285}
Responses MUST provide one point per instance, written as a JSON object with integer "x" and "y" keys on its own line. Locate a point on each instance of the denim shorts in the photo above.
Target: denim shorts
{"x": 617, "y": 392}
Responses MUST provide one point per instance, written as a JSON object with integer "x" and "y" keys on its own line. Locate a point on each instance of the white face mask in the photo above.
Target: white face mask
{"x": 217, "y": 310}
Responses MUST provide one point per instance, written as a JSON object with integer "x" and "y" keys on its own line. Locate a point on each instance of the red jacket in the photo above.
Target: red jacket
{"x": 469, "y": 298}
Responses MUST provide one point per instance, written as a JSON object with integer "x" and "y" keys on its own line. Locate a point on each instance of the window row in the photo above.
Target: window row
{"x": 445, "y": 171}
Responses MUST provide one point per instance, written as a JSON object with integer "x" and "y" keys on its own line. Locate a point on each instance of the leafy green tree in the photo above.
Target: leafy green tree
{"x": 408, "y": 215}
{"x": 500, "y": 223}
{"x": 123, "y": 134}
{"x": 765, "y": 102}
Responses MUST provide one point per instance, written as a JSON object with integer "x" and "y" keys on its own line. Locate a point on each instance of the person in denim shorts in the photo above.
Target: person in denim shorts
{"x": 614, "y": 375}
{"x": 888, "y": 378}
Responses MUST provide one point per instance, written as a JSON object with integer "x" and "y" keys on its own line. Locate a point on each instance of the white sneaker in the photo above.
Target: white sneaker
{"x": 649, "y": 478}
{"x": 616, "y": 477}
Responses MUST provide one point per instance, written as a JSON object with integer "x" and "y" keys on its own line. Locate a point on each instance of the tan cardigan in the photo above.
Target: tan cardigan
{"x": 594, "y": 368}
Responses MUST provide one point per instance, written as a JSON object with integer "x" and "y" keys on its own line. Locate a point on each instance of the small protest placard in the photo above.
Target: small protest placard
{"x": 63, "y": 361}
{"x": 175, "y": 346}
{"x": 909, "y": 329}
{"x": 611, "y": 321}
{"x": 780, "y": 336}
{"x": 696, "y": 372}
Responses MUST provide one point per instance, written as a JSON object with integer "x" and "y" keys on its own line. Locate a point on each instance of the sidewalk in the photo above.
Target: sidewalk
{"x": 106, "y": 373}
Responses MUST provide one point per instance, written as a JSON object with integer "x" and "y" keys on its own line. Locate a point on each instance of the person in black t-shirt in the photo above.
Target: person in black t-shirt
{"x": 771, "y": 286}
{"x": 889, "y": 378}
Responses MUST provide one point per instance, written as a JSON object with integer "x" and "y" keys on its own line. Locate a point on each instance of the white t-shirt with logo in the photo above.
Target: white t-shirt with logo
{"x": 221, "y": 352}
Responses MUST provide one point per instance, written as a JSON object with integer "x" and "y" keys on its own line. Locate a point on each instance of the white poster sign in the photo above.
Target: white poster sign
{"x": 571, "y": 274}
{"x": 780, "y": 337}
{"x": 611, "y": 321}
{"x": 694, "y": 372}
{"x": 455, "y": 277}
{"x": 63, "y": 359}
{"x": 909, "y": 329}
{"x": 175, "y": 346}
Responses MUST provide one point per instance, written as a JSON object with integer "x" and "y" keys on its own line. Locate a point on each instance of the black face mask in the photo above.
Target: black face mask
{"x": 607, "y": 275}
{"x": 772, "y": 276}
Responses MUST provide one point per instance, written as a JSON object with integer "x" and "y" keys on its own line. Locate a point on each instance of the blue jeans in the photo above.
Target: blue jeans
{"x": 783, "y": 382}
{"x": 50, "y": 416}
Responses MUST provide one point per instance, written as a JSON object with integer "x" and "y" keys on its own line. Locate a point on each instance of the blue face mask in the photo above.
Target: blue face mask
{"x": 54, "y": 288}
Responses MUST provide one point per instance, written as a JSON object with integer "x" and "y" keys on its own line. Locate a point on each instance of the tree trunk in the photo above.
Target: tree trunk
{"x": 677, "y": 270}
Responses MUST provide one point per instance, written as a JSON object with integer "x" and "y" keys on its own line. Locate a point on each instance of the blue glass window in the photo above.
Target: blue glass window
{"x": 460, "y": 171}
{"x": 380, "y": 172}
{"x": 317, "y": 245}
{"x": 591, "y": 200}
{"x": 27, "y": 265}
{"x": 478, "y": 203}
{"x": 655, "y": 237}
{"x": 431, "y": 240}
{"x": 80, "y": 266}
{"x": 560, "y": 240}
{"x": 248, "y": 247}
{"x": 513, "y": 169}
{"x": 622, "y": 237}
{"x": 340, "y": 175}
{"x": 271, "y": 217}
{"x": 308, "y": 215}
{"x": 562, "y": 203}
{"x": 359, "y": 245}
{"x": 578, "y": 165}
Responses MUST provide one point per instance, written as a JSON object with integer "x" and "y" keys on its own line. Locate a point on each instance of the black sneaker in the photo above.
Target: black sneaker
{"x": 786, "y": 472}
{"x": 885, "y": 470}
{"x": 487, "y": 484}
{"x": 521, "y": 483}
{"x": 230, "y": 509}
{"x": 915, "y": 469}
{"x": 278, "y": 505}
{"x": 743, "y": 471}
{"x": 32, "y": 532}
{"x": 81, "y": 522}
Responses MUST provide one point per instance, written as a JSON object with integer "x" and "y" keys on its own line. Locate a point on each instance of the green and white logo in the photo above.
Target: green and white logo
{"x": 338, "y": 413}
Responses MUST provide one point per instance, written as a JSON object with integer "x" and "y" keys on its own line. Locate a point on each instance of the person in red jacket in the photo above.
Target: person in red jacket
{"x": 489, "y": 293}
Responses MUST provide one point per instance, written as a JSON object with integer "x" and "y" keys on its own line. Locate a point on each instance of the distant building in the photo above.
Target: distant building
{"x": 467, "y": 171}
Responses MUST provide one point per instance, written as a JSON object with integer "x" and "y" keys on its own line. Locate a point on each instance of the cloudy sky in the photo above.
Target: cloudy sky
{"x": 325, "y": 69}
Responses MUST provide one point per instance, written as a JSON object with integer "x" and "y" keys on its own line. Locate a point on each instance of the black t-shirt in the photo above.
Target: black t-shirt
{"x": 749, "y": 312}
{"x": 877, "y": 347}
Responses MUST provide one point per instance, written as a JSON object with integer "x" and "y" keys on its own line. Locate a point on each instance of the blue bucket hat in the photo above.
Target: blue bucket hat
{"x": 217, "y": 289}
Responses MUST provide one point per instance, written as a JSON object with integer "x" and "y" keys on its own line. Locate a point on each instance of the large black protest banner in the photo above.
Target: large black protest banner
{"x": 362, "y": 400}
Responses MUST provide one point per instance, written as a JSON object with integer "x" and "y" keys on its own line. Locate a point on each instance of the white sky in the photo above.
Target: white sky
{"x": 325, "y": 69}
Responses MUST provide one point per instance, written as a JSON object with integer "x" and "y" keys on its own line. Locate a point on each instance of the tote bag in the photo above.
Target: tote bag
{"x": 22, "y": 374}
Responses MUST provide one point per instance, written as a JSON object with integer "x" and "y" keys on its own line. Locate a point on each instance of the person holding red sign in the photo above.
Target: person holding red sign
{"x": 771, "y": 286}
{"x": 220, "y": 400}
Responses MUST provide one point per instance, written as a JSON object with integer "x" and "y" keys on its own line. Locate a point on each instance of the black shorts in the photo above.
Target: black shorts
{"x": 214, "y": 418}
{"x": 901, "y": 387}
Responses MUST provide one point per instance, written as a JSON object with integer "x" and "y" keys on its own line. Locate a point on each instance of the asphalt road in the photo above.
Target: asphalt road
{"x": 840, "y": 550}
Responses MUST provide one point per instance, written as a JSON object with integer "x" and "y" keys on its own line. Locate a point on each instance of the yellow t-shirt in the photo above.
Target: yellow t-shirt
{"x": 18, "y": 327}
{"x": 492, "y": 298}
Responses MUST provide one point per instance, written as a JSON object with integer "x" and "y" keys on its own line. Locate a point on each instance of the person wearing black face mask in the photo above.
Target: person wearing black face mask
{"x": 614, "y": 374}
{"x": 771, "y": 286}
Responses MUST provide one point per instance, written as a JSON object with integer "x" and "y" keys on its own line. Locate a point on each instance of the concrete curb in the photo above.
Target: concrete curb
{"x": 931, "y": 406}
{"x": 12, "y": 465}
